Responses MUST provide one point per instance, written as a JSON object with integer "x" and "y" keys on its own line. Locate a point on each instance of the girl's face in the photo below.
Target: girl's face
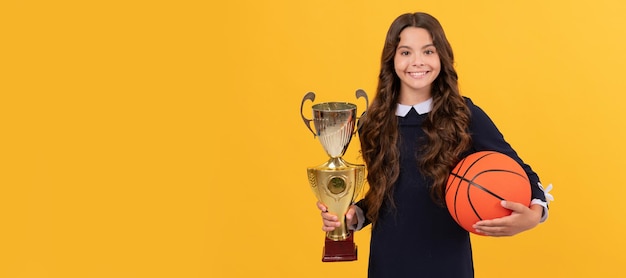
{"x": 416, "y": 63}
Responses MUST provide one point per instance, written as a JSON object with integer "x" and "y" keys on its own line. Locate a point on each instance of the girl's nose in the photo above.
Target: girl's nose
{"x": 419, "y": 60}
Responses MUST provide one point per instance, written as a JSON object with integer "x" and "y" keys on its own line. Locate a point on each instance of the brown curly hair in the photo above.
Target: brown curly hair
{"x": 446, "y": 126}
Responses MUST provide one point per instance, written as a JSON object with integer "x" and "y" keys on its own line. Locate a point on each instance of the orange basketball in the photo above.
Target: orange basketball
{"x": 478, "y": 184}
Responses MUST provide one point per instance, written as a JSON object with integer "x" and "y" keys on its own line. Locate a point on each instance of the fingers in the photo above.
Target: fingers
{"x": 329, "y": 220}
{"x": 329, "y": 225}
{"x": 325, "y": 214}
{"x": 321, "y": 206}
{"x": 516, "y": 207}
{"x": 351, "y": 212}
{"x": 495, "y": 227}
{"x": 494, "y": 231}
{"x": 351, "y": 218}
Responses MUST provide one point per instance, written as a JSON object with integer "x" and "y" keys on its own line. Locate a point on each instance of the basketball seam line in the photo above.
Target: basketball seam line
{"x": 456, "y": 194}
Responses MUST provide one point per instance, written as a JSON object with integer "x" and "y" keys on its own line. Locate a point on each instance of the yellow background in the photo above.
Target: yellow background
{"x": 163, "y": 138}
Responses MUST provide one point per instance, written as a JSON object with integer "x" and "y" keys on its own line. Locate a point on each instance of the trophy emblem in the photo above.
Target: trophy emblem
{"x": 336, "y": 183}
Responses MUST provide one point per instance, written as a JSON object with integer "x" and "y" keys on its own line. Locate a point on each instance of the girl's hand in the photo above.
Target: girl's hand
{"x": 331, "y": 221}
{"x": 521, "y": 219}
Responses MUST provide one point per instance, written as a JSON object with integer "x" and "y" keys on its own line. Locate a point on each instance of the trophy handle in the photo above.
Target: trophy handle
{"x": 310, "y": 96}
{"x": 361, "y": 94}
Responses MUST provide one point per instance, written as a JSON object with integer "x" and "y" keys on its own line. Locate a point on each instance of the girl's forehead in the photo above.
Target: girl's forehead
{"x": 415, "y": 35}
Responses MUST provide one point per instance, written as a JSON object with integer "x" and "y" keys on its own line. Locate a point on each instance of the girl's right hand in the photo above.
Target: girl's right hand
{"x": 331, "y": 221}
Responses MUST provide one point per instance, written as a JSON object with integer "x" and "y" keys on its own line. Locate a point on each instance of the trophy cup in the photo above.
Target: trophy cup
{"x": 336, "y": 183}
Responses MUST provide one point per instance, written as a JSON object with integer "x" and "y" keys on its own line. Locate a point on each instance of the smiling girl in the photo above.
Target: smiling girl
{"x": 416, "y": 129}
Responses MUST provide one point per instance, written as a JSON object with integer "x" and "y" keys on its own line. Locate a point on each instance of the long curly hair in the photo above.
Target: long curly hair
{"x": 446, "y": 126}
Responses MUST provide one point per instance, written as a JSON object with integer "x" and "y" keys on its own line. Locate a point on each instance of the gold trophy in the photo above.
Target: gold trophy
{"x": 336, "y": 183}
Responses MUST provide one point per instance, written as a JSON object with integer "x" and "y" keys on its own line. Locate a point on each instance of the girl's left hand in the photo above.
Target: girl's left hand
{"x": 521, "y": 219}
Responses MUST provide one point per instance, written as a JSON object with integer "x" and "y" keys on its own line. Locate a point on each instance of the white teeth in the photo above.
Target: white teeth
{"x": 416, "y": 74}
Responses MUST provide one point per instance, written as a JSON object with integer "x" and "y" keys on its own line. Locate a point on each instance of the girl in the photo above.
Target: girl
{"x": 415, "y": 131}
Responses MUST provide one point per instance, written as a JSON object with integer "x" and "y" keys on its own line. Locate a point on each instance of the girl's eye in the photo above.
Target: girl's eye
{"x": 404, "y": 53}
{"x": 429, "y": 51}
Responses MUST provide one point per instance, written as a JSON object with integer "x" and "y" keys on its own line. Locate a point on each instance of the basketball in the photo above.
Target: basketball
{"x": 478, "y": 184}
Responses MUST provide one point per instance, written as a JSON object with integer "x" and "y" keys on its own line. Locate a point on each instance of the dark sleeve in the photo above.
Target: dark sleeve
{"x": 487, "y": 137}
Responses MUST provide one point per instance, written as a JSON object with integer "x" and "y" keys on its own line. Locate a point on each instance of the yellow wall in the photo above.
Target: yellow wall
{"x": 163, "y": 138}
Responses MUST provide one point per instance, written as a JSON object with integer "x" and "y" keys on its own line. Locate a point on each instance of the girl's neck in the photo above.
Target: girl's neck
{"x": 413, "y": 98}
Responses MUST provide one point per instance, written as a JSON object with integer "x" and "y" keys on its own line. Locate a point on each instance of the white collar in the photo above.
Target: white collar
{"x": 421, "y": 108}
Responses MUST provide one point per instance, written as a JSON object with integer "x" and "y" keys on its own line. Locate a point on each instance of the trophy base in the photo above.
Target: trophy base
{"x": 339, "y": 251}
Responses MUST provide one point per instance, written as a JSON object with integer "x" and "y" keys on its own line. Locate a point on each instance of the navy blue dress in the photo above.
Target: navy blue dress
{"x": 417, "y": 237}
